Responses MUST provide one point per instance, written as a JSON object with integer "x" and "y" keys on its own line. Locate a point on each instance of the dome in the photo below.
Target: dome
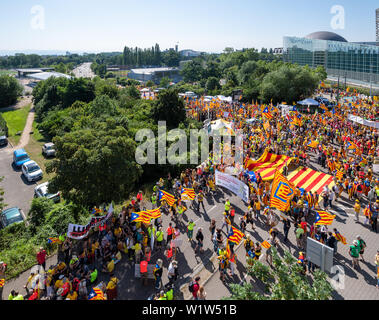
{"x": 325, "y": 35}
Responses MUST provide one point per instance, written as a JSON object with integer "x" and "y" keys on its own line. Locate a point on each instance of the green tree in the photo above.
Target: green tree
{"x": 40, "y": 207}
{"x": 133, "y": 92}
{"x": 284, "y": 281}
{"x": 165, "y": 82}
{"x": 171, "y": 58}
{"x": 192, "y": 71}
{"x": 150, "y": 84}
{"x": 170, "y": 108}
{"x": 10, "y": 90}
{"x": 212, "y": 84}
{"x": 95, "y": 165}
{"x": 289, "y": 83}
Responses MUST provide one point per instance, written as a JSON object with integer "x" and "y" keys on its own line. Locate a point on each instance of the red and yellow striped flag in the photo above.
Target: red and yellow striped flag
{"x": 324, "y": 218}
{"x": 155, "y": 213}
{"x": 265, "y": 244}
{"x": 163, "y": 195}
{"x": 235, "y": 235}
{"x": 340, "y": 237}
{"x": 339, "y": 175}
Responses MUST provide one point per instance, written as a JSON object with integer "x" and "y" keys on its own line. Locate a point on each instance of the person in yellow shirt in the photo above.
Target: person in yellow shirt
{"x": 112, "y": 288}
{"x": 357, "y": 209}
{"x": 73, "y": 295}
{"x": 257, "y": 208}
{"x": 118, "y": 232}
{"x": 59, "y": 283}
{"x": 109, "y": 266}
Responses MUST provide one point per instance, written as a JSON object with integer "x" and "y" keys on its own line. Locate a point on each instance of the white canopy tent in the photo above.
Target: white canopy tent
{"x": 221, "y": 126}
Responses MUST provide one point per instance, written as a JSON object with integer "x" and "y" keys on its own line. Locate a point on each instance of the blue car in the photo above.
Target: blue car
{"x": 20, "y": 157}
{"x": 10, "y": 216}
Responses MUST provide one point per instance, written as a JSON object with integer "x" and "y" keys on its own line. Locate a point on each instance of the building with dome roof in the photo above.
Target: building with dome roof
{"x": 356, "y": 63}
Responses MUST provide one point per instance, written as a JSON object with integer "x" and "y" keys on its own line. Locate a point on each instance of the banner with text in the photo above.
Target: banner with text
{"x": 78, "y": 232}
{"x": 233, "y": 184}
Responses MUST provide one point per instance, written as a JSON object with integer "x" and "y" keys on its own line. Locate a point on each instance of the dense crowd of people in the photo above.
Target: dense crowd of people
{"x": 86, "y": 268}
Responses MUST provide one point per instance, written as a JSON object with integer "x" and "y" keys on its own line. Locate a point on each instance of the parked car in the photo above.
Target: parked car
{"x": 3, "y": 141}
{"x": 31, "y": 171}
{"x": 48, "y": 149}
{"x": 20, "y": 157}
{"x": 42, "y": 191}
{"x": 10, "y": 216}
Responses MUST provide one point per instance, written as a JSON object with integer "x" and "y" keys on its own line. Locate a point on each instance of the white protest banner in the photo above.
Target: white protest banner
{"x": 233, "y": 184}
{"x": 77, "y": 232}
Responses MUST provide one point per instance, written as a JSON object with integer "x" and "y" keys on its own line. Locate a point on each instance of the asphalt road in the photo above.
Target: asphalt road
{"x": 84, "y": 71}
{"x": 18, "y": 192}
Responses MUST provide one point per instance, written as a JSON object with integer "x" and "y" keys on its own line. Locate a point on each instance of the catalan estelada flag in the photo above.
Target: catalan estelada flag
{"x": 142, "y": 216}
{"x": 163, "y": 195}
{"x": 96, "y": 294}
{"x": 265, "y": 244}
{"x": 282, "y": 192}
{"x": 266, "y": 112}
{"x": 340, "y": 237}
{"x": 298, "y": 119}
{"x": 187, "y": 194}
{"x": 2, "y": 282}
{"x": 310, "y": 180}
{"x": 267, "y": 164}
{"x": 312, "y": 144}
{"x": 53, "y": 240}
{"x": 324, "y": 218}
{"x": 96, "y": 211}
{"x": 235, "y": 235}
{"x": 351, "y": 145}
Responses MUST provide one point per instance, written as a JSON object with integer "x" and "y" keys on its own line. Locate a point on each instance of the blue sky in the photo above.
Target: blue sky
{"x": 206, "y": 25}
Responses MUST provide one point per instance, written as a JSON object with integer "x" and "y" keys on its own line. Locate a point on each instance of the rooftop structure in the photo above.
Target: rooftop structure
{"x": 47, "y": 75}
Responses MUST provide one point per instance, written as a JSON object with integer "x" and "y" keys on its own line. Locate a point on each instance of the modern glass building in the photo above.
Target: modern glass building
{"x": 355, "y": 62}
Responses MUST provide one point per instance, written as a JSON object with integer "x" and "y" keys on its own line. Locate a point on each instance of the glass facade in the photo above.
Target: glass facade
{"x": 356, "y": 62}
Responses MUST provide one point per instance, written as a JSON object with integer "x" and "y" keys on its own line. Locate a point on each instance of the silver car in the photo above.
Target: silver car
{"x": 42, "y": 191}
{"x": 31, "y": 171}
{"x": 48, "y": 149}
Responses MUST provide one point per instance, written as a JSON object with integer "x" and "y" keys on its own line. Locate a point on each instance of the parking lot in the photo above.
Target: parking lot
{"x": 18, "y": 192}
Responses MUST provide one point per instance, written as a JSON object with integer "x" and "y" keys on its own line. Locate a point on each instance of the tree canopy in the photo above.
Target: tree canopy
{"x": 10, "y": 90}
{"x": 284, "y": 281}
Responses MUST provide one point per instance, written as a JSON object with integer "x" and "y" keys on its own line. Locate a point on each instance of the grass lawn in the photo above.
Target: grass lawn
{"x": 34, "y": 150}
{"x": 9, "y": 72}
{"x": 120, "y": 73}
{"x": 16, "y": 121}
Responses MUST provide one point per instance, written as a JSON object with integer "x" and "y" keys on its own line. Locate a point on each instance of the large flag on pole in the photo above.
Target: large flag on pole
{"x": 324, "y": 218}
{"x": 163, "y": 195}
{"x": 235, "y": 235}
{"x": 266, "y": 112}
{"x": 142, "y": 216}
{"x": 187, "y": 194}
{"x": 282, "y": 192}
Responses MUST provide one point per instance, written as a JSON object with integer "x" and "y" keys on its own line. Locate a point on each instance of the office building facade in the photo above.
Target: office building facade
{"x": 355, "y": 62}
